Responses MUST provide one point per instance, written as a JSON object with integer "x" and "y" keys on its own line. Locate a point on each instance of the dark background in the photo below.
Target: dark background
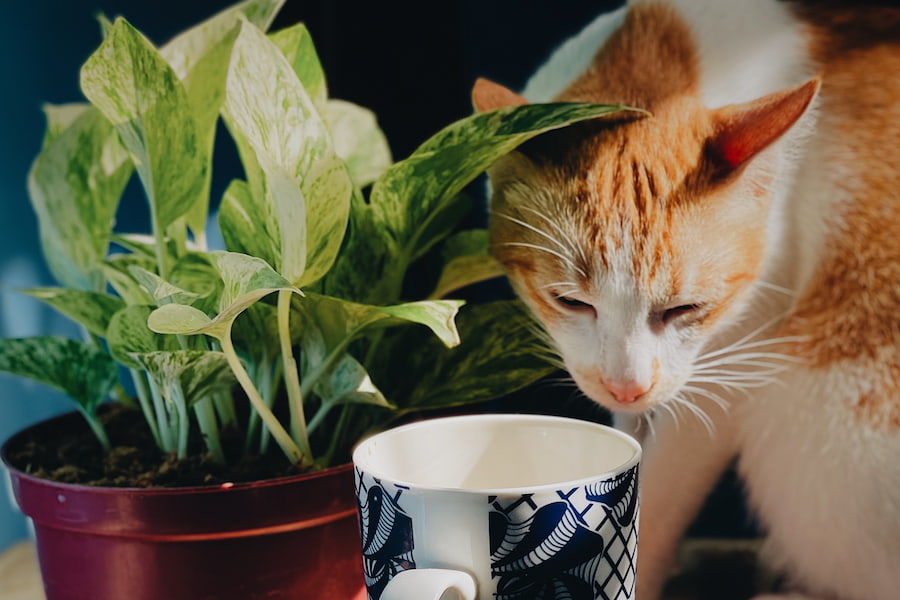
{"x": 413, "y": 63}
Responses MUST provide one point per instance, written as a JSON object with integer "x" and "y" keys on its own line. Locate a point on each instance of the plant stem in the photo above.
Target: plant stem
{"x": 167, "y": 441}
{"x": 209, "y": 428}
{"x": 281, "y": 436}
{"x": 336, "y": 439}
{"x": 292, "y": 373}
{"x": 143, "y": 392}
{"x": 97, "y": 428}
{"x": 176, "y": 394}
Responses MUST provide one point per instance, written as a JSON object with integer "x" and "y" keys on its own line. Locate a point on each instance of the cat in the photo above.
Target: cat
{"x": 723, "y": 271}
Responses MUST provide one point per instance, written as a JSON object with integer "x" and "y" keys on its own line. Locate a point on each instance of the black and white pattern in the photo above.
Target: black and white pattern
{"x": 578, "y": 543}
{"x": 575, "y": 544}
{"x": 386, "y": 532}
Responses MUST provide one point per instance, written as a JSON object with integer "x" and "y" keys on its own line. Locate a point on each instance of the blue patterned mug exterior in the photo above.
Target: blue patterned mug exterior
{"x": 499, "y": 507}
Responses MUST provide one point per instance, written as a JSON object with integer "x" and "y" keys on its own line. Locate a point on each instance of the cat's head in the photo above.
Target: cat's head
{"x": 635, "y": 239}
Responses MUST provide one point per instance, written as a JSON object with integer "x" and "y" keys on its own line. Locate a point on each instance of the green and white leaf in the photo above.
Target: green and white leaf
{"x": 296, "y": 44}
{"x": 128, "y": 334}
{"x": 117, "y": 270}
{"x": 466, "y": 261}
{"x": 246, "y": 280}
{"x": 346, "y": 382}
{"x": 305, "y": 184}
{"x": 137, "y": 90}
{"x": 413, "y": 194}
{"x": 245, "y": 223}
{"x": 93, "y": 310}
{"x": 75, "y": 184}
{"x": 84, "y": 372}
{"x": 60, "y": 117}
{"x": 159, "y": 289}
{"x": 341, "y": 321}
{"x": 196, "y": 374}
{"x": 499, "y": 354}
{"x": 358, "y": 140}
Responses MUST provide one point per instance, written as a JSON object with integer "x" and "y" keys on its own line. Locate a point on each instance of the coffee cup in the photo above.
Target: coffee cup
{"x": 499, "y": 507}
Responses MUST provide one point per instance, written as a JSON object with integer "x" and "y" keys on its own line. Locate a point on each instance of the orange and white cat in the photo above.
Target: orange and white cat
{"x": 726, "y": 268}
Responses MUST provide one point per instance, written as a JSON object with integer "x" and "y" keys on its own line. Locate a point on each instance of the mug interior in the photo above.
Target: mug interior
{"x": 496, "y": 452}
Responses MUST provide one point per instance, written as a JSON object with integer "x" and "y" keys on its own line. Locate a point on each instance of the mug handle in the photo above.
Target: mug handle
{"x": 430, "y": 584}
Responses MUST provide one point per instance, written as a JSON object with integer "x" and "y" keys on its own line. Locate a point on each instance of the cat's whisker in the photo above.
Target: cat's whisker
{"x": 698, "y": 412}
{"x": 668, "y": 408}
{"x": 774, "y": 287}
{"x": 747, "y": 345}
{"x": 565, "y": 247}
{"x": 575, "y": 249}
{"x": 708, "y": 394}
{"x": 562, "y": 257}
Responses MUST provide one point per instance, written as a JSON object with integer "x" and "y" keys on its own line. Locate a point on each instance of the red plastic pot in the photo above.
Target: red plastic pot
{"x": 293, "y": 537}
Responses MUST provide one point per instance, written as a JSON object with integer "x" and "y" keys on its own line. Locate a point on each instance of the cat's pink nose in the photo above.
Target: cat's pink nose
{"x": 626, "y": 393}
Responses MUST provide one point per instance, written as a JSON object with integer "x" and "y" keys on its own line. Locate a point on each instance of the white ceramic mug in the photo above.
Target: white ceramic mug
{"x": 500, "y": 507}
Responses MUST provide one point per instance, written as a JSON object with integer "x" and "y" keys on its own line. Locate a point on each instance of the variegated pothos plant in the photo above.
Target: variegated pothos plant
{"x": 306, "y": 303}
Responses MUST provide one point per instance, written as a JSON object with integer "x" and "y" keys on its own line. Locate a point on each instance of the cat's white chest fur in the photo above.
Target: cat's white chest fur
{"x": 827, "y": 486}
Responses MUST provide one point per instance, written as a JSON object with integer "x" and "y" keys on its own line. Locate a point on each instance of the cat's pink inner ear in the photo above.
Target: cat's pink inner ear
{"x": 487, "y": 95}
{"x": 744, "y": 130}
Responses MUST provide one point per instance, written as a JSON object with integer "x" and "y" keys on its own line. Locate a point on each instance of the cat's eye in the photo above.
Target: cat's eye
{"x": 573, "y": 304}
{"x": 676, "y": 312}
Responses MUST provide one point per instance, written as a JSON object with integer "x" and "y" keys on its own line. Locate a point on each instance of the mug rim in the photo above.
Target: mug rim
{"x": 637, "y": 452}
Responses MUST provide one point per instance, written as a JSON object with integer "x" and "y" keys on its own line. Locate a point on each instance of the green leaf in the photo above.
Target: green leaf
{"x": 466, "y": 261}
{"x": 297, "y": 46}
{"x": 341, "y": 321}
{"x": 189, "y": 48}
{"x": 347, "y": 382}
{"x": 305, "y": 190}
{"x": 204, "y": 82}
{"x": 93, "y": 310}
{"x": 75, "y": 184}
{"x": 197, "y": 374}
{"x": 245, "y": 224}
{"x": 465, "y": 271}
{"x": 159, "y": 289}
{"x": 60, "y": 117}
{"x": 141, "y": 95}
{"x": 180, "y": 319}
{"x": 243, "y": 275}
{"x": 128, "y": 334}
{"x": 84, "y": 372}
{"x": 117, "y": 270}
{"x": 413, "y": 194}
{"x": 358, "y": 140}
{"x": 499, "y": 354}
{"x": 246, "y": 280}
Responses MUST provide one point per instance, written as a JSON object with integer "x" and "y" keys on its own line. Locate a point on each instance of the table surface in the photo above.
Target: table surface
{"x": 721, "y": 569}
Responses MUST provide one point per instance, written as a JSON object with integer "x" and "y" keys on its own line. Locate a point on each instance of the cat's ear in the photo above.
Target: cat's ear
{"x": 487, "y": 95}
{"x": 745, "y": 130}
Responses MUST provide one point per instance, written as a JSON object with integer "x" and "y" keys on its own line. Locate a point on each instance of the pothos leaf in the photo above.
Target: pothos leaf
{"x": 297, "y": 182}
{"x": 84, "y": 372}
{"x": 93, "y": 310}
{"x": 346, "y": 382}
{"x": 414, "y": 192}
{"x": 499, "y": 354}
{"x": 142, "y": 97}
{"x": 128, "y": 334}
{"x": 196, "y": 374}
{"x": 75, "y": 184}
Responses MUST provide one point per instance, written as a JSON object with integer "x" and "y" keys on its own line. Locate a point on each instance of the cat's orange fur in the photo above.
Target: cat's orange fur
{"x": 683, "y": 216}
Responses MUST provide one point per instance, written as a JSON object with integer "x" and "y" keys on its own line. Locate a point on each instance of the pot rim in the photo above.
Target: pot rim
{"x": 150, "y": 491}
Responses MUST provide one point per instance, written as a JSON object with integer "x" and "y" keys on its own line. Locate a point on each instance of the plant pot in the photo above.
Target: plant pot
{"x": 291, "y": 537}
